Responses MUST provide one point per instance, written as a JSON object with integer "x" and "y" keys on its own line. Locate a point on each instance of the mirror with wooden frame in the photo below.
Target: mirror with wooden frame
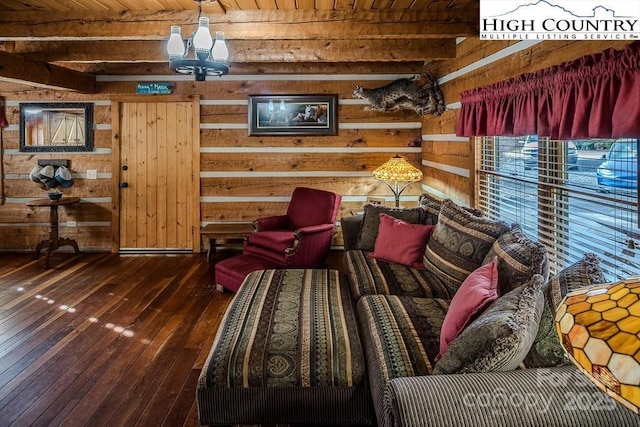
{"x": 54, "y": 127}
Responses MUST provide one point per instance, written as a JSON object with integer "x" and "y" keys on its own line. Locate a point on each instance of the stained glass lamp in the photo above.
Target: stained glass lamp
{"x": 395, "y": 172}
{"x": 599, "y": 328}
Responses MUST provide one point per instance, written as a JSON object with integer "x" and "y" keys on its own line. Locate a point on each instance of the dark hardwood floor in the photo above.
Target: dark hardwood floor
{"x": 103, "y": 339}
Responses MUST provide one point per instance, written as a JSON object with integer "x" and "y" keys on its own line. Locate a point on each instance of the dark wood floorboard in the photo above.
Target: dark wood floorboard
{"x": 106, "y": 340}
{"x": 103, "y": 339}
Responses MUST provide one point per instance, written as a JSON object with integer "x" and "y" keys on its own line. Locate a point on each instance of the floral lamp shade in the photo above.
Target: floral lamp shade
{"x": 599, "y": 328}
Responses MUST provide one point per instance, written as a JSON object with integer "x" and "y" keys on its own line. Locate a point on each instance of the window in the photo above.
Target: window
{"x": 573, "y": 196}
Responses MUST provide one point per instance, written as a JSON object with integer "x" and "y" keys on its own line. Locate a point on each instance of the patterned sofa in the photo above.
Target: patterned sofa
{"x": 506, "y": 367}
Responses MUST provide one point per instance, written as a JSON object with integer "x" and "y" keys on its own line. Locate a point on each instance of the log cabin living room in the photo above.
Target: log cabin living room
{"x": 233, "y": 212}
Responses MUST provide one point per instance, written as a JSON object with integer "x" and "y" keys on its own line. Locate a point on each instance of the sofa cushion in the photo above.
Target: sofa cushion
{"x": 547, "y": 350}
{"x": 500, "y": 338}
{"x": 459, "y": 244}
{"x": 371, "y": 276}
{"x": 476, "y": 293}
{"x": 519, "y": 258}
{"x": 371, "y": 222}
{"x": 401, "y": 242}
{"x": 431, "y": 207}
{"x": 400, "y": 338}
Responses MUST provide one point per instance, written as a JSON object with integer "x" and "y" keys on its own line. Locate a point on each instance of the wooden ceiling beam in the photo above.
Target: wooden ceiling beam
{"x": 242, "y": 25}
{"x": 244, "y": 50}
{"x": 15, "y": 68}
{"x": 157, "y": 69}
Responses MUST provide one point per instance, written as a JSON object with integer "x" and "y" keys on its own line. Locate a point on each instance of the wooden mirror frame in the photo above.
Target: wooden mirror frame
{"x": 87, "y": 145}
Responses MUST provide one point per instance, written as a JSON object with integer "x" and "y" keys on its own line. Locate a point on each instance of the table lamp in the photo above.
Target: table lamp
{"x": 395, "y": 171}
{"x": 599, "y": 328}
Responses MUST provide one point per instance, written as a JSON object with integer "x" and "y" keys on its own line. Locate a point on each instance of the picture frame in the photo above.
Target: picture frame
{"x": 293, "y": 115}
{"x": 56, "y": 127}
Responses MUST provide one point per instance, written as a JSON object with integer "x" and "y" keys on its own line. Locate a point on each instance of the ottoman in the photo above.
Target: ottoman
{"x": 231, "y": 272}
{"x": 287, "y": 352}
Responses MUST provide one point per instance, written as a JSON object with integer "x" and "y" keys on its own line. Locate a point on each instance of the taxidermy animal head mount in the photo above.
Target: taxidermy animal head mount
{"x": 405, "y": 94}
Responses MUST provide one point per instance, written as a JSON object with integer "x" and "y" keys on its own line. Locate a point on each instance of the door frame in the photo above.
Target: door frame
{"x": 115, "y": 162}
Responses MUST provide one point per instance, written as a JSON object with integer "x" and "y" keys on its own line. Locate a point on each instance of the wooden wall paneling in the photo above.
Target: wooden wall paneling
{"x": 233, "y": 113}
{"x": 258, "y": 85}
{"x": 79, "y": 163}
{"x": 284, "y": 186}
{"x": 127, "y": 157}
{"x": 249, "y": 162}
{"x": 362, "y": 138}
{"x": 183, "y": 188}
{"x": 115, "y": 175}
{"x": 163, "y": 192}
{"x": 18, "y": 212}
{"x": 151, "y": 172}
{"x": 11, "y": 138}
{"x": 441, "y": 125}
{"x": 450, "y": 153}
{"x": 195, "y": 183}
{"x": 469, "y": 51}
{"x": 454, "y": 186}
{"x": 102, "y": 138}
{"x": 172, "y": 185}
{"x": 249, "y": 211}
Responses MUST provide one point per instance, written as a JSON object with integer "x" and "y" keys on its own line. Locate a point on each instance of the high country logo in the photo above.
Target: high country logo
{"x": 560, "y": 19}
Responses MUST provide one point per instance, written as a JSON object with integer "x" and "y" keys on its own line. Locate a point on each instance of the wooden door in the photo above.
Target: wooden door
{"x": 157, "y": 181}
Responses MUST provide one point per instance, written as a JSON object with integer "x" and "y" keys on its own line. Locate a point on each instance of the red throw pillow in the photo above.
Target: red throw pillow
{"x": 475, "y": 294}
{"x": 401, "y": 242}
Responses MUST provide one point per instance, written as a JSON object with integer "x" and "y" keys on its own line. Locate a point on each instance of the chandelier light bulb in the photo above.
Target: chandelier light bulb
{"x": 200, "y": 57}
{"x": 175, "y": 45}
{"x": 202, "y": 41}
{"x": 220, "y": 51}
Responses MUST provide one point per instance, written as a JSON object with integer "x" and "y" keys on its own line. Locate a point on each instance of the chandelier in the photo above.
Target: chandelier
{"x": 210, "y": 59}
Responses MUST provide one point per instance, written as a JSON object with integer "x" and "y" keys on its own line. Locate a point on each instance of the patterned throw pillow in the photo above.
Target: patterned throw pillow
{"x": 431, "y": 207}
{"x": 500, "y": 338}
{"x": 519, "y": 258}
{"x": 459, "y": 244}
{"x": 477, "y": 292}
{"x": 547, "y": 350}
{"x": 371, "y": 222}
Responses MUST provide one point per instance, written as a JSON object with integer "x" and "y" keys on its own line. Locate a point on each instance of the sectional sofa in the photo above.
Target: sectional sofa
{"x": 507, "y": 366}
{"x": 443, "y": 317}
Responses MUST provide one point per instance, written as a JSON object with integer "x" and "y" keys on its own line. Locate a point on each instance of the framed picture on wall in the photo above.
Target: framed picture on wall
{"x": 293, "y": 114}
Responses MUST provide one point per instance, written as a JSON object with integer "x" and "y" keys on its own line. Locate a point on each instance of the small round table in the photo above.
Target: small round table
{"x": 54, "y": 242}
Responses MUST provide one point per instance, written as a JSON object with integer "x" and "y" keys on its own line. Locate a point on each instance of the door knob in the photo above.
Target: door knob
{"x": 124, "y": 184}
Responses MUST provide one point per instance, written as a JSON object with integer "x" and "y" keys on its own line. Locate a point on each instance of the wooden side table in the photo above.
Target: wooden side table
{"x": 54, "y": 241}
{"x": 229, "y": 231}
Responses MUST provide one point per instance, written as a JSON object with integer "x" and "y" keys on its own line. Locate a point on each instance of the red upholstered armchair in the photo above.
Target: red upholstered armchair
{"x": 302, "y": 237}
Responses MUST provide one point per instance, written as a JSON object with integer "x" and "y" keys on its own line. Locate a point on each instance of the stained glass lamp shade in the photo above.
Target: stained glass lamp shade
{"x": 396, "y": 171}
{"x": 599, "y": 328}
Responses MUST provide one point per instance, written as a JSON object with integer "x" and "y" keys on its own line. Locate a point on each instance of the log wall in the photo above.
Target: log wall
{"x": 242, "y": 177}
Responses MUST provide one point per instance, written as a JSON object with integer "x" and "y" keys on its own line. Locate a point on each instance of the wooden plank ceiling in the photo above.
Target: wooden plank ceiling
{"x": 65, "y": 43}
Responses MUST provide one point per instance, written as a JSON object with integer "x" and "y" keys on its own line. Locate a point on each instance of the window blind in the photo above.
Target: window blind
{"x": 566, "y": 195}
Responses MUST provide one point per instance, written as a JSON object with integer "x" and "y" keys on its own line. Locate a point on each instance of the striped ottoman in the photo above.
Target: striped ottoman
{"x": 287, "y": 352}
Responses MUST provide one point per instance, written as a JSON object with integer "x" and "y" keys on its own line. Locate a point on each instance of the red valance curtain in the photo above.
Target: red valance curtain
{"x": 596, "y": 96}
